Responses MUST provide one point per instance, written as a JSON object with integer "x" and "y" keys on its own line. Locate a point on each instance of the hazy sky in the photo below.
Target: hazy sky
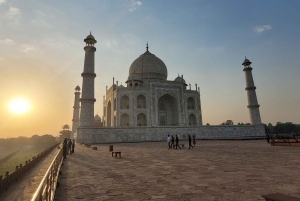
{"x": 42, "y": 56}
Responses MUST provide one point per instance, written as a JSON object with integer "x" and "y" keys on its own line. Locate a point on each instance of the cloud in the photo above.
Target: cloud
{"x": 260, "y": 29}
{"x": 134, "y": 5}
{"x": 12, "y": 13}
{"x": 8, "y": 41}
{"x": 27, "y": 48}
{"x": 2, "y": 1}
{"x": 111, "y": 43}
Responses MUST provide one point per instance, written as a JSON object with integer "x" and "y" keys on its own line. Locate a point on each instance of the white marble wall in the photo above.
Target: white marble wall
{"x": 142, "y": 134}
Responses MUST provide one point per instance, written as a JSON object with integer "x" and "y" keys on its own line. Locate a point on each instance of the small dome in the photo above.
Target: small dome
{"x": 97, "y": 118}
{"x": 77, "y": 88}
{"x": 66, "y": 126}
{"x": 148, "y": 66}
{"x": 180, "y": 80}
{"x": 121, "y": 86}
{"x": 134, "y": 77}
{"x": 246, "y": 62}
{"x": 90, "y": 37}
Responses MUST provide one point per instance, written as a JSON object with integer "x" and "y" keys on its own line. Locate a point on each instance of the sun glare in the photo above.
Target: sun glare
{"x": 19, "y": 106}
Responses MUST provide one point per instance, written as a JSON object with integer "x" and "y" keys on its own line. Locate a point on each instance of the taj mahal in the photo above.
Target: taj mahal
{"x": 149, "y": 107}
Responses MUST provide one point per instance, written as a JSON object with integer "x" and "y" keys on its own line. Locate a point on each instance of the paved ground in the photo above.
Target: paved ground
{"x": 24, "y": 189}
{"x": 213, "y": 170}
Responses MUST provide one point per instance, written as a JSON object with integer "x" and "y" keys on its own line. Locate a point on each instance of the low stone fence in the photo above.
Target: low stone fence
{"x": 21, "y": 170}
{"x": 47, "y": 187}
{"x": 153, "y": 134}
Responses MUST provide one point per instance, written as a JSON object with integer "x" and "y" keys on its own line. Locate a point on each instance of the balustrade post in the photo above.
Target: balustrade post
{"x": 21, "y": 170}
{"x": 1, "y": 183}
{"x": 7, "y": 180}
{"x": 17, "y": 173}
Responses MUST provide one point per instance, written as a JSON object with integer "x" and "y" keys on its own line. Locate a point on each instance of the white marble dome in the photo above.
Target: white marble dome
{"x": 149, "y": 66}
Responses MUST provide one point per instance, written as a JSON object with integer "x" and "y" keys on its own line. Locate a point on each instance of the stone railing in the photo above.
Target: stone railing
{"x": 47, "y": 187}
{"x": 21, "y": 170}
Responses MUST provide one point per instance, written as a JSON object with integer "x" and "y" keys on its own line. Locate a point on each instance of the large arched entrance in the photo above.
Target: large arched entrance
{"x": 141, "y": 101}
{"x": 167, "y": 111}
{"x": 192, "y": 120}
{"x": 109, "y": 114}
{"x": 141, "y": 120}
{"x": 124, "y": 102}
{"x": 190, "y": 103}
{"x": 124, "y": 119}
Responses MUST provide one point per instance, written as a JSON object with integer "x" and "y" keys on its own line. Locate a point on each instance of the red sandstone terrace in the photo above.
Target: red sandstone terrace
{"x": 212, "y": 171}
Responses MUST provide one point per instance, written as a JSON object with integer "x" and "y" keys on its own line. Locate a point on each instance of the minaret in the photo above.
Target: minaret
{"x": 87, "y": 98}
{"x": 252, "y": 99}
{"x": 76, "y": 107}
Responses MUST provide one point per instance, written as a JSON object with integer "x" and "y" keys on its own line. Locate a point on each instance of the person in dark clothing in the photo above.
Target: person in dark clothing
{"x": 190, "y": 142}
{"x": 172, "y": 139}
{"x": 65, "y": 142}
{"x": 177, "y": 141}
{"x": 268, "y": 138}
{"x": 69, "y": 145}
{"x": 73, "y": 146}
{"x": 194, "y": 140}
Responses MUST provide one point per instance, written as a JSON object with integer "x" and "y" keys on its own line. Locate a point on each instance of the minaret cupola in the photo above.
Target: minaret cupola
{"x": 90, "y": 40}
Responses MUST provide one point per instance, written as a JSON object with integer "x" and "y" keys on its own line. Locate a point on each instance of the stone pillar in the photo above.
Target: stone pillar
{"x": 76, "y": 107}
{"x": 251, "y": 94}
{"x": 87, "y": 99}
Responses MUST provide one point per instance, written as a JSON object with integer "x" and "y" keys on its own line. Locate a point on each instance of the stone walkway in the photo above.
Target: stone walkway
{"x": 213, "y": 170}
{"x": 24, "y": 189}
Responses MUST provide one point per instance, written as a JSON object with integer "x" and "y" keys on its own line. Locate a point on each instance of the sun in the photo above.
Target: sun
{"x": 19, "y": 106}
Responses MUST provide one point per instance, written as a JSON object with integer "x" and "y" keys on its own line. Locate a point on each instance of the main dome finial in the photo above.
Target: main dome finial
{"x": 147, "y": 47}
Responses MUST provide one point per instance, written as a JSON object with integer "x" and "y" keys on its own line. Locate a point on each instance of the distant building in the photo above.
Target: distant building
{"x": 65, "y": 133}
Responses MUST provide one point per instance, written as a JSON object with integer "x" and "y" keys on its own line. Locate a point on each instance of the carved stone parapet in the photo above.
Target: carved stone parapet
{"x": 247, "y": 69}
{"x": 87, "y": 100}
{"x": 88, "y": 75}
{"x": 253, "y": 106}
{"x": 89, "y": 47}
{"x": 250, "y": 88}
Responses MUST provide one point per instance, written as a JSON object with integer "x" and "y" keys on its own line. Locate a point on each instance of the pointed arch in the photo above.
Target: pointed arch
{"x": 192, "y": 119}
{"x": 124, "y": 102}
{"x": 142, "y": 119}
{"x": 109, "y": 114}
{"x": 168, "y": 111}
{"x": 141, "y": 101}
{"x": 124, "y": 119}
{"x": 190, "y": 103}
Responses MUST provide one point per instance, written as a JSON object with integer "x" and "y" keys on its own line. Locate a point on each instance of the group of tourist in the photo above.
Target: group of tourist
{"x": 173, "y": 145}
{"x": 68, "y": 147}
{"x": 282, "y": 136}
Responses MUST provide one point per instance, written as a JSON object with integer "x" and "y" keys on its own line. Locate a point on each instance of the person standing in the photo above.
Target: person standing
{"x": 69, "y": 146}
{"x": 177, "y": 142}
{"x": 172, "y": 140}
{"x": 65, "y": 142}
{"x": 190, "y": 142}
{"x": 169, "y": 141}
{"x": 194, "y": 140}
{"x": 268, "y": 138}
{"x": 73, "y": 146}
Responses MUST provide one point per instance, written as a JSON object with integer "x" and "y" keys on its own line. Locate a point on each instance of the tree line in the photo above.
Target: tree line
{"x": 287, "y": 127}
{"x": 35, "y": 141}
{"x": 283, "y": 128}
